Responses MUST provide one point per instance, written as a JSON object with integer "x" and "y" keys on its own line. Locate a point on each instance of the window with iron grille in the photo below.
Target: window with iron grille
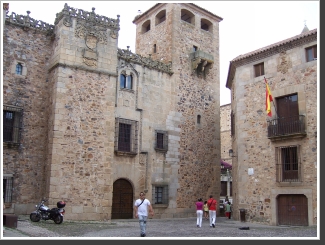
{"x": 161, "y": 141}
{"x": 12, "y": 121}
{"x": 160, "y": 194}
{"x": 259, "y": 69}
{"x": 288, "y": 163}
{"x": 7, "y": 188}
{"x": 126, "y": 136}
{"x": 311, "y": 53}
{"x": 19, "y": 69}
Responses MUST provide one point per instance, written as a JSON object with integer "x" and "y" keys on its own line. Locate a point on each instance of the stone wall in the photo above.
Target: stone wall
{"x": 225, "y": 132}
{"x": 29, "y": 91}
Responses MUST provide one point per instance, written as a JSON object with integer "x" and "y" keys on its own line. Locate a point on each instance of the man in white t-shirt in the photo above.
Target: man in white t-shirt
{"x": 141, "y": 206}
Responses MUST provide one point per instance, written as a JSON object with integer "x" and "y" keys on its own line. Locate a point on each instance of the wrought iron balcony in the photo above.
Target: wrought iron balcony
{"x": 286, "y": 127}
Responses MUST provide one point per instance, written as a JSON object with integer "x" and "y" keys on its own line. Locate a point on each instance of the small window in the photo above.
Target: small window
{"x": 206, "y": 25}
{"x": 161, "y": 141}
{"x": 160, "y": 194}
{"x": 11, "y": 124}
{"x": 194, "y": 48}
{"x": 7, "y": 188}
{"x": 154, "y": 48}
{"x": 259, "y": 69}
{"x": 288, "y": 164}
{"x": 311, "y": 53}
{"x": 122, "y": 81}
{"x": 161, "y": 17}
{"x": 126, "y": 81}
{"x": 187, "y": 16}
{"x": 129, "y": 82}
{"x": 146, "y": 26}
{"x": 198, "y": 119}
{"x": 19, "y": 69}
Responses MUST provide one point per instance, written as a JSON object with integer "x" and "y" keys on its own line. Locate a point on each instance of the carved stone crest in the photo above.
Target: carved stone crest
{"x": 284, "y": 63}
{"x": 91, "y": 41}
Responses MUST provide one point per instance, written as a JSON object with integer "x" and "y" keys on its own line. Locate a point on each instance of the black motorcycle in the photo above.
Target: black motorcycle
{"x": 45, "y": 213}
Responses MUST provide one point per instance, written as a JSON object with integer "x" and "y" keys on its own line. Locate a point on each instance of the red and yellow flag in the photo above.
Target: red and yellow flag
{"x": 268, "y": 100}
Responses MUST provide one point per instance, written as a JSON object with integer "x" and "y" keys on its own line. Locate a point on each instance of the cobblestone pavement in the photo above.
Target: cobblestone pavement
{"x": 156, "y": 228}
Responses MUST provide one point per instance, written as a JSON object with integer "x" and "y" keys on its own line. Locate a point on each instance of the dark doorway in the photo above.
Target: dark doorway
{"x": 292, "y": 210}
{"x": 122, "y": 204}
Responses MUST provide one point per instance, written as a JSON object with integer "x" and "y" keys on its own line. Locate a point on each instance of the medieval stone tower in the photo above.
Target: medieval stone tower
{"x": 114, "y": 123}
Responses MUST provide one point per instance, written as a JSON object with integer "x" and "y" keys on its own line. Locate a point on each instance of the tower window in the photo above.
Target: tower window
{"x": 19, "y": 69}
{"x": 161, "y": 17}
{"x": 187, "y": 16}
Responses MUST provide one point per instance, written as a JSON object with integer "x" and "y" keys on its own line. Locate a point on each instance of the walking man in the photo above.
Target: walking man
{"x": 212, "y": 204}
{"x": 141, "y": 206}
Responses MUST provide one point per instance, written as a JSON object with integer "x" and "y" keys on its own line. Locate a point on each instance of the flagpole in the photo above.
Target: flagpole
{"x": 276, "y": 113}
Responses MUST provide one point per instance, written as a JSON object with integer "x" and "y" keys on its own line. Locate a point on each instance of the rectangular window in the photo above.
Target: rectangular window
{"x": 7, "y": 188}
{"x": 161, "y": 141}
{"x": 11, "y": 124}
{"x": 126, "y": 136}
{"x": 311, "y": 53}
{"x": 160, "y": 194}
{"x": 288, "y": 163}
{"x": 259, "y": 69}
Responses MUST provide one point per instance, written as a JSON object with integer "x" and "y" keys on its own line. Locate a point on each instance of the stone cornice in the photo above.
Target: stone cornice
{"x": 128, "y": 56}
{"x": 81, "y": 68}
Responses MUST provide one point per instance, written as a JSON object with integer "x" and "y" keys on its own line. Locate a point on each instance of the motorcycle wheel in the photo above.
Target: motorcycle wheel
{"x": 35, "y": 217}
{"x": 58, "y": 219}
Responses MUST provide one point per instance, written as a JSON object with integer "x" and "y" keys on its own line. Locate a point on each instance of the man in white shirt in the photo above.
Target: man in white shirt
{"x": 141, "y": 206}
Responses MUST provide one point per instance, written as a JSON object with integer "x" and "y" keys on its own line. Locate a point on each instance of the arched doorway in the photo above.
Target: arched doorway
{"x": 292, "y": 209}
{"x": 122, "y": 204}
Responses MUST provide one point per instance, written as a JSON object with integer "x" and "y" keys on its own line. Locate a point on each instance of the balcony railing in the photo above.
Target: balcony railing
{"x": 286, "y": 126}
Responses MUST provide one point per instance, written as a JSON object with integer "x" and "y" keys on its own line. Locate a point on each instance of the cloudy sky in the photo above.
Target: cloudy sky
{"x": 246, "y": 25}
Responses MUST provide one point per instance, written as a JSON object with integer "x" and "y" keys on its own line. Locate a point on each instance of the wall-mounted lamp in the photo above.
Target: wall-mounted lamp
{"x": 231, "y": 153}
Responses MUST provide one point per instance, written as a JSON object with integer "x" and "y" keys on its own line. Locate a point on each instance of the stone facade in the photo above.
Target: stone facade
{"x": 72, "y": 107}
{"x": 258, "y": 168}
{"x": 225, "y": 132}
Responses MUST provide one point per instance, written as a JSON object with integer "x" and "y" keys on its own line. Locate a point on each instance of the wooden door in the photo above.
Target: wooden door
{"x": 122, "y": 204}
{"x": 292, "y": 210}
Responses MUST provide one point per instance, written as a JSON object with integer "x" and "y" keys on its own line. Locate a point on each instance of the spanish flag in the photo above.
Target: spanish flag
{"x": 268, "y": 99}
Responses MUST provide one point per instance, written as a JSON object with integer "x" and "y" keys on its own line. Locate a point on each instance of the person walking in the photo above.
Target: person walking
{"x": 228, "y": 209}
{"x": 199, "y": 212}
{"x": 141, "y": 206}
{"x": 212, "y": 204}
{"x": 206, "y": 210}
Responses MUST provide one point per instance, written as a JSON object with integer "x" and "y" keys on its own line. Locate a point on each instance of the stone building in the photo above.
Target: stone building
{"x": 226, "y": 145}
{"x": 92, "y": 124}
{"x": 275, "y": 163}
